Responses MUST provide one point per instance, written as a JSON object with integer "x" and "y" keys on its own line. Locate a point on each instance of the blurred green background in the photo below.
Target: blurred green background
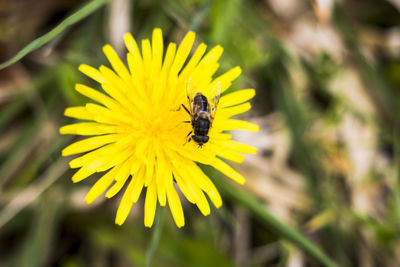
{"x": 327, "y": 75}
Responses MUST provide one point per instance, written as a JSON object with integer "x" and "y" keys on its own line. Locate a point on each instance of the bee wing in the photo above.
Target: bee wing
{"x": 215, "y": 96}
{"x": 191, "y": 90}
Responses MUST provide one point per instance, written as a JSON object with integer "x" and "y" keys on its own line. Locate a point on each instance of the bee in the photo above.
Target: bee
{"x": 202, "y": 112}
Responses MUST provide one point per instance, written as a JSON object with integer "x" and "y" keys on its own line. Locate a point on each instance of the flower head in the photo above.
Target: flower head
{"x": 138, "y": 132}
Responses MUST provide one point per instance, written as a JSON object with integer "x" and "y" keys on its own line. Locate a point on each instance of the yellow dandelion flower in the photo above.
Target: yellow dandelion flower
{"x": 138, "y": 136}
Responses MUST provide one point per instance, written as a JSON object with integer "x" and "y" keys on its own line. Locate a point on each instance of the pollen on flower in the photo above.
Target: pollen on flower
{"x": 137, "y": 134}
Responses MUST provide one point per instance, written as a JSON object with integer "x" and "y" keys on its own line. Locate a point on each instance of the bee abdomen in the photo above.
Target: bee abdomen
{"x": 201, "y": 127}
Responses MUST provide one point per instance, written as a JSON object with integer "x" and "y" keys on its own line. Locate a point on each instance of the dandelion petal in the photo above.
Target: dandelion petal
{"x": 150, "y": 205}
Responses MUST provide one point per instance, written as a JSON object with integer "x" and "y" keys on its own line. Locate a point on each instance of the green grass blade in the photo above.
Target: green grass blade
{"x": 156, "y": 235}
{"x": 280, "y": 228}
{"x": 74, "y": 18}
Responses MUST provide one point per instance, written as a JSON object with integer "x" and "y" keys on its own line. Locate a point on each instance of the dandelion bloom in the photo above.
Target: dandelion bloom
{"x": 138, "y": 136}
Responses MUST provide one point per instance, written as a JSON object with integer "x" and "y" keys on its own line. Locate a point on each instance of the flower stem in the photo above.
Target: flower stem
{"x": 156, "y": 235}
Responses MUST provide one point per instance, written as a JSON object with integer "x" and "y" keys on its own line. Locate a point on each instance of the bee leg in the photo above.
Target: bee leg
{"x": 185, "y": 108}
{"x": 190, "y": 139}
{"x": 183, "y": 122}
{"x": 187, "y": 141}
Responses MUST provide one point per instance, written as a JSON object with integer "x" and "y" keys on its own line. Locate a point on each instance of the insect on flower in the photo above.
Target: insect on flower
{"x": 202, "y": 111}
{"x": 135, "y": 138}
